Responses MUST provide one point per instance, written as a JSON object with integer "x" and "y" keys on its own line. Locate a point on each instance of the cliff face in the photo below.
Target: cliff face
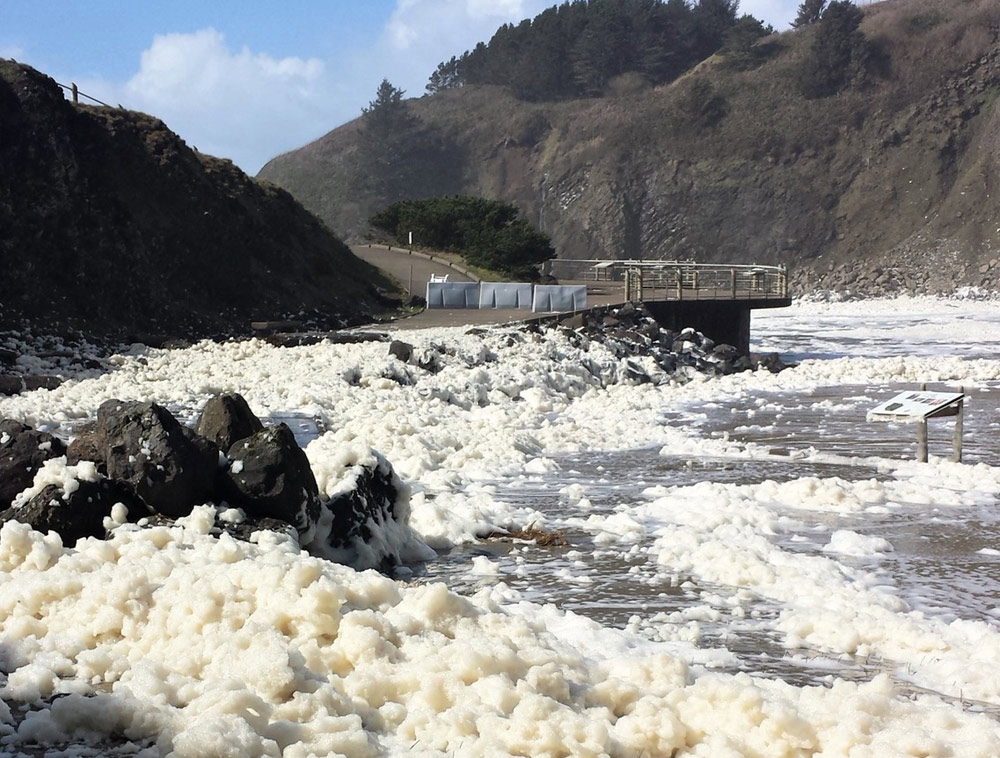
{"x": 877, "y": 189}
{"x": 111, "y": 225}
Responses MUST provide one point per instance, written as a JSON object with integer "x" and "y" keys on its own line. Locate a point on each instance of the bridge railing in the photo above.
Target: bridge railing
{"x": 693, "y": 281}
{"x": 682, "y": 280}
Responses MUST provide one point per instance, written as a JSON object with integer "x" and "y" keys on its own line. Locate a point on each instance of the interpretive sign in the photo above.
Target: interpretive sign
{"x": 915, "y": 405}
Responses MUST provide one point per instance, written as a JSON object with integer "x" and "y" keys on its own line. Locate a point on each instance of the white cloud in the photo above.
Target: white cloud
{"x": 237, "y": 104}
{"x": 450, "y": 27}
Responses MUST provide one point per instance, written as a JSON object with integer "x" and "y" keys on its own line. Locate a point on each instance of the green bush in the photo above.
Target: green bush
{"x": 486, "y": 233}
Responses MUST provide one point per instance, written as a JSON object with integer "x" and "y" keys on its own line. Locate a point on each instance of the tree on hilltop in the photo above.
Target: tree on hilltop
{"x": 576, "y": 49}
{"x": 386, "y": 128}
{"x": 810, "y": 11}
{"x": 840, "y": 55}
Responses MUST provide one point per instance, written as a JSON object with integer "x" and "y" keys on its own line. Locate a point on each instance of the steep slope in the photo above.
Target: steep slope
{"x": 110, "y": 224}
{"x": 884, "y": 188}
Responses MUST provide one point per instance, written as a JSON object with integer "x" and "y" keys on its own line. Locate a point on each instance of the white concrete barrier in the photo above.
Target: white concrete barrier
{"x": 541, "y": 298}
{"x": 452, "y": 294}
{"x": 504, "y": 295}
{"x": 559, "y": 298}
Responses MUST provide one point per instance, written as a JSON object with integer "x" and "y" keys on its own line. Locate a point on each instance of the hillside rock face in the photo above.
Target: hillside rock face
{"x": 111, "y": 224}
{"x": 888, "y": 188}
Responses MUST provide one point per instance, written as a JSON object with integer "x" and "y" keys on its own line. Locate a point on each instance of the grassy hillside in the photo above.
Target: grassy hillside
{"x": 884, "y": 187}
{"x": 110, "y": 224}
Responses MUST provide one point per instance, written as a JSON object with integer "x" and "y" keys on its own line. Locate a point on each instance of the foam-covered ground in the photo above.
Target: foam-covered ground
{"x": 169, "y": 640}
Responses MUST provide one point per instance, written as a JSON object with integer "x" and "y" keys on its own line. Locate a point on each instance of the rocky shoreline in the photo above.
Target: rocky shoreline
{"x": 137, "y": 464}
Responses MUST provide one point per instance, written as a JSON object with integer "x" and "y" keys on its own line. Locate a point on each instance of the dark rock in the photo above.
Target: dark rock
{"x": 8, "y": 357}
{"x": 226, "y": 419}
{"x": 401, "y": 350}
{"x": 295, "y": 339}
{"x": 417, "y": 301}
{"x": 371, "y": 503}
{"x": 11, "y": 384}
{"x": 145, "y": 446}
{"x": 429, "y": 360}
{"x": 726, "y": 352}
{"x": 269, "y": 476}
{"x": 89, "y": 445}
{"x": 771, "y": 361}
{"x": 15, "y": 384}
{"x": 636, "y": 373}
{"x": 78, "y": 514}
{"x": 23, "y": 450}
{"x": 355, "y": 338}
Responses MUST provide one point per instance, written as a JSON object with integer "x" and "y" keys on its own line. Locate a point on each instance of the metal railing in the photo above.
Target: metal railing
{"x": 678, "y": 280}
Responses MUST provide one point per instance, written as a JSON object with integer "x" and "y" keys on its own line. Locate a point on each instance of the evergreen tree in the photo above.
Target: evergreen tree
{"x": 712, "y": 18}
{"x": 840, "y": 54}
{"x": 740, "y": 45}
{"x": 577, "y": 47}
{"x": 387, "y": 128}
{"x": 810, "y": 11}
{"x": 446, "y": 76}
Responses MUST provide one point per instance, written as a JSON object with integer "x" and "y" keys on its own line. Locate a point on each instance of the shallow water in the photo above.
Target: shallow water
{"x": 945, "y": 562}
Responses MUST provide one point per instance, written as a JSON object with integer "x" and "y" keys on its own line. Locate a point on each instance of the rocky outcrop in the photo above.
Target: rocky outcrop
{"x": 170, "y": 468}
{"x": 651, "y": 353}
{"x": 138, "y": 462}
{"x": 112, "y": 225}
{"x": 78, "y": 511}
{"x": 23, "y": 450}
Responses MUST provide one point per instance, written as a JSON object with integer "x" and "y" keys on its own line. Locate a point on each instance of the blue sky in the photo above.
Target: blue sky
{"x": 248, "y": 80}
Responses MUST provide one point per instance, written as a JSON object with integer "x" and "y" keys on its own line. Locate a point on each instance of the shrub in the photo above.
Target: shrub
{"x": 486, "y": 233}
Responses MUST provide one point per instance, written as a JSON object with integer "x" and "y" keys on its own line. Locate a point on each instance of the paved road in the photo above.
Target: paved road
{"x": 397, "y": 262}
{"x": 406, "y": 268}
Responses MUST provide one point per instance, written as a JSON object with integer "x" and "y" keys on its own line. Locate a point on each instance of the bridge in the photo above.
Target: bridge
{"x": 713, "y": 298}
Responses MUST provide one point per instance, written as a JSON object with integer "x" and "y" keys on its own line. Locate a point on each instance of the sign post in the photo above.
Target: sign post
{"x": 919, "y": 406}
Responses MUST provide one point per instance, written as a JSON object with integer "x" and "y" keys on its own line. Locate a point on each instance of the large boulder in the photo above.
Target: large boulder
{"x": 76, "y": 511}
{"x": 89, "y": 444}
{"x": 168, "y": 466}
{"x": 365, "y": 521}
{"x": 227, "y": 419}
{"x": 269, "y": 476}
{"x": 365, "y": 507}
{"x": 23, "y": 450}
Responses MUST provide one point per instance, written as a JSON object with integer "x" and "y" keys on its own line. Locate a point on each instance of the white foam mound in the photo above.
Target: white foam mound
{"x": 209, "y": 646}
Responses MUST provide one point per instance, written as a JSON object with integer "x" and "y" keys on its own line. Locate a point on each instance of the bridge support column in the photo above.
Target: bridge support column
{"x": 724, "y": 322}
